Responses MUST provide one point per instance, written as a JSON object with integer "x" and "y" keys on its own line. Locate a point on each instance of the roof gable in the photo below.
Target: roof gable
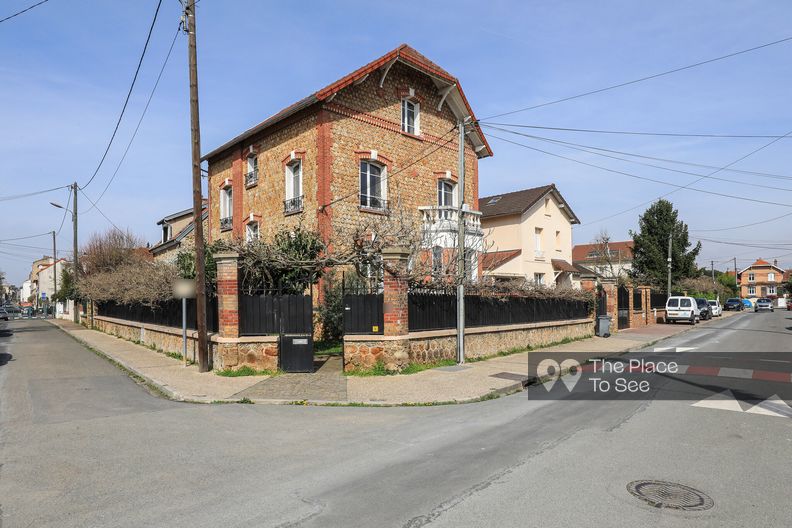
{"x": 580, "y": 252}
{"x": 517, "y": 202}
{"x": 455, "y": 99}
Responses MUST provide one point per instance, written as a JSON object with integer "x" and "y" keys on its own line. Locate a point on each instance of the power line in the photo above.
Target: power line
{"x": 741, "y": 226}
{"x": 640, "y": 133}
{"x": 666, "y": 160}
{"x": 100, "y": 211}
{"x": 738, "y": 244}
{"x": 65, "y": 212}
{"x": 140, "y": 121}
{"x": 641, "y": 79}
{"x": 724, "y": 195}
{"x": 126, "y": 101}
{"x": 585, "y": 149}
{"x": 35, "y": 247}
{"x": 23, "y": 11}
{"x": 33, "y": 193}
{"x": 48, "y": 233}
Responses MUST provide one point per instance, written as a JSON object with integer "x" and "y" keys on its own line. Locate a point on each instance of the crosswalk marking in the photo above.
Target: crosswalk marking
{"x": 725, "y": 401}
{"x": 772, "y": 406}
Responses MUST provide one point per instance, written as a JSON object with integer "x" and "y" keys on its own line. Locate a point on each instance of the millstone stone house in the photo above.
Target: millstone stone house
{"x": 380, "y": 138}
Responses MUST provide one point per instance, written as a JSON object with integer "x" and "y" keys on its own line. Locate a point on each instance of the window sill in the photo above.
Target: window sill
{"x": 292, "y": 213}
{"x": 251, "y": 184}
{"x": 417, "y": 137}
{"x": 224, "y": 229}
{"x": 383, "y": 212}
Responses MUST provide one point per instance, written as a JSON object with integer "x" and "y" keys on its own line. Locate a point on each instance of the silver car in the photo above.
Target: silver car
{"x": 763, "y": 304}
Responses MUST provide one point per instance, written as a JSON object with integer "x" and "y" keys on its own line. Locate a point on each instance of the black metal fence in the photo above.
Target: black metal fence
{"x": 363, "y": 313}
{"x": 270, "y": 312}
{"x": 437, "y": 311}
{"x": 165, "y": 313}
{"x": 658, "y": 300}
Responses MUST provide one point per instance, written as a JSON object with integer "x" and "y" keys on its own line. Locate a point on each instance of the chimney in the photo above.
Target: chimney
{"x": 775, "y": 262}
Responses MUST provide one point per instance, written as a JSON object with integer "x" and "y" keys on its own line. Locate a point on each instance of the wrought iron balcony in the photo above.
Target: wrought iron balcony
{"x": 373, "y": 203}
{"x": 226, "y": 223}
{"x": 251, "y": 178}
{"x": 293, "y": 205}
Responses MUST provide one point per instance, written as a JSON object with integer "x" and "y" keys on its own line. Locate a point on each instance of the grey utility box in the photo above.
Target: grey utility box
{"x": 603, "y": 325}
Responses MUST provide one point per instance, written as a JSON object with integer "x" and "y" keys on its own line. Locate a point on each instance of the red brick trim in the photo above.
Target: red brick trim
{"x": 324, "y": 176}
{"x": 226, "y": 182}
{"x": 373, "y": 155}
{"x": 446, "y": 175}
{"x": 238, "y": 178}
{"x": 255, "y": 218}
{"x": 404, "y": 93}
{"x": 292, "y": 156}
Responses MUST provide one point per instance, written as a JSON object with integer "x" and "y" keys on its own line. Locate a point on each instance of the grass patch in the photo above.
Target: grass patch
{"x": 245, "y": 400}
{"x": 379, "y": 368}
{"x": 328, "y": 348}
{"x": 245, "y": 371}
{"x": 174, "y": 355}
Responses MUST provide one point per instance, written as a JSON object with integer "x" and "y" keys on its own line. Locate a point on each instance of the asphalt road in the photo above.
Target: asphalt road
{"x": 82, "y": 445}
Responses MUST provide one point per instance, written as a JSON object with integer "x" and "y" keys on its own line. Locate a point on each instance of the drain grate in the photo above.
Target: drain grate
{"x": 662, "y": 494}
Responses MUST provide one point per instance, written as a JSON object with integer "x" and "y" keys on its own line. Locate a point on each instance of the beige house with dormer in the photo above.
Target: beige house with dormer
{"x": 528, "y": 234}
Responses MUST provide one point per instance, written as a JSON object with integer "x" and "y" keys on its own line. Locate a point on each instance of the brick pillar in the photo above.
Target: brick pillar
{"x": 395, "y": 291}
{"x": 228, "y": 294}
{"x": 647, "y": 304}
{"x": 609, "y": 287}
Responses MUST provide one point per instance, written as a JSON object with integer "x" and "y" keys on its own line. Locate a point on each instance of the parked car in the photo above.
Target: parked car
{"x": 682, "y": 309}
{"x": 733, "y": 303}
{"x": 716, "y": 308}
{"x": 705, "y": 312}
{"x": 789, "y": 306}
{"x": 763, "y": 304}
{"x": 747, "y": 304}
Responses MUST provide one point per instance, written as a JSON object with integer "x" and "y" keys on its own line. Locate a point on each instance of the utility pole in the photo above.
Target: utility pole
{"x": 712, "y": 267}
{"x": 461, "y": 247}
{"x": 195, "y": 132}
{"x": 735, "y": 277}
{"x": 669, "y": 263}
{"x": 54, "y": 273}
{"x": 76, "y": 269}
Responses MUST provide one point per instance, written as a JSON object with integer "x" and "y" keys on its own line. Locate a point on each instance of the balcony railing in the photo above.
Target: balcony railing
{"x": 226, "y": 223}
{"x": 373, "y": 203}
{"x": 445, "y": 219}
{"x": 293, "y": 205}
{"x": 251, "y": 178}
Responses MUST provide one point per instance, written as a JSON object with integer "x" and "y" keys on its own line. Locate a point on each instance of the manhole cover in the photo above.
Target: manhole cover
{"x": 670, "y": 495}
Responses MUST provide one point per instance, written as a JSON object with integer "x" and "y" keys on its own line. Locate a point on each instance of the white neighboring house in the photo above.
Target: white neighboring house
{"x": 25, "y": 291}
{"x": 46, "y": 280}
{"x": 528, "y": 234}
{"x": 614, "y": 259}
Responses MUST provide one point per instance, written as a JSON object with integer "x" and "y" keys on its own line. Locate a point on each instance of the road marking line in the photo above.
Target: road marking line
{"x": 724, "y": 401}
{"x": 772, "y": 406}
{"x": 703, "y": 371}
{"x": 767, "y": 375}
{"x": 736, "y": 372}
{"x": 776, "y": 360}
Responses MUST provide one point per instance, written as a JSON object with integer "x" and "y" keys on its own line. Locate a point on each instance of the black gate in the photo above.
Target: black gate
{"x": 602, "y": 303}
{"x": 289, "y": 316}
{"x": 623, "y": 307}
{"x": 363, "y": 313}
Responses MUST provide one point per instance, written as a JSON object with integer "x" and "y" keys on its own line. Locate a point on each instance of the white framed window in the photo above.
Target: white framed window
{"x": 538, "y": 242}
{"x": 226, "y": 208}
{"x": 558, "y": 240}
{"x": 446, "y": 197}
{"x": 167, "y": 232}
{"x": 751, "y": 277}
{"x": 251, "y": 231}
{"x": 251, "y": 176}
{"x": 411, "y": 116}
{"x": 751, "y": 290}
{"x": 373, "y": 185}
{"x": 771, "y": 290}
{"x": 539, "y": 279}
{"x": 293, "y": 186}
{"x": 771, "y": 277}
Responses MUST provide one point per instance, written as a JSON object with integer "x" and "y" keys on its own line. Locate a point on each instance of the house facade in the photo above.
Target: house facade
{"x": 760, "y": 279}
{"x": 528, "y": 234}
{"x": 177, "y": 234}
{"x": 613, "y": 259}
{"x": 378, "y": 140}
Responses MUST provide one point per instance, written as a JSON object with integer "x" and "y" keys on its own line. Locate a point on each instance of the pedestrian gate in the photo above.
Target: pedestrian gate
{"x": 623, "y": 307}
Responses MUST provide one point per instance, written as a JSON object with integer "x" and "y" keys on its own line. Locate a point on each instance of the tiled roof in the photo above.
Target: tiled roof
{"x": 517, "y": 202}
{"x": 404, "y": 53}
{"x": 563, "y": 265}
{"x": 496, "y": 259}
{"x": 581, "y": 252}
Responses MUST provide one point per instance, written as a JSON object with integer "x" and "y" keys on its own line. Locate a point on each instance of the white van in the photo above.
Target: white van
{"x": 682, "y": 309}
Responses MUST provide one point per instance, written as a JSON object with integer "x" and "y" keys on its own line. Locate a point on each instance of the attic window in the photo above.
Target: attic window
{"x": 494, "y": 199}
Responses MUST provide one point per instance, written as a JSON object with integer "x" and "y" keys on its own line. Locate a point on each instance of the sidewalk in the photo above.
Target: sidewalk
{"x": 454, "y": 384}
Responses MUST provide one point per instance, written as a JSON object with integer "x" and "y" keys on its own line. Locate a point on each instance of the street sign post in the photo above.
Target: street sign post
{"x": 184, "y": 289}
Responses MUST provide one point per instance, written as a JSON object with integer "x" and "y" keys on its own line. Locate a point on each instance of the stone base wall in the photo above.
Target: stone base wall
{"x": 361, "y": 351}
{"x": 259, "y": 352}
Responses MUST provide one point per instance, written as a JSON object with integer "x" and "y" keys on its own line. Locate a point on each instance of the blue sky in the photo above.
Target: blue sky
{"x": 66, "y": 65}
